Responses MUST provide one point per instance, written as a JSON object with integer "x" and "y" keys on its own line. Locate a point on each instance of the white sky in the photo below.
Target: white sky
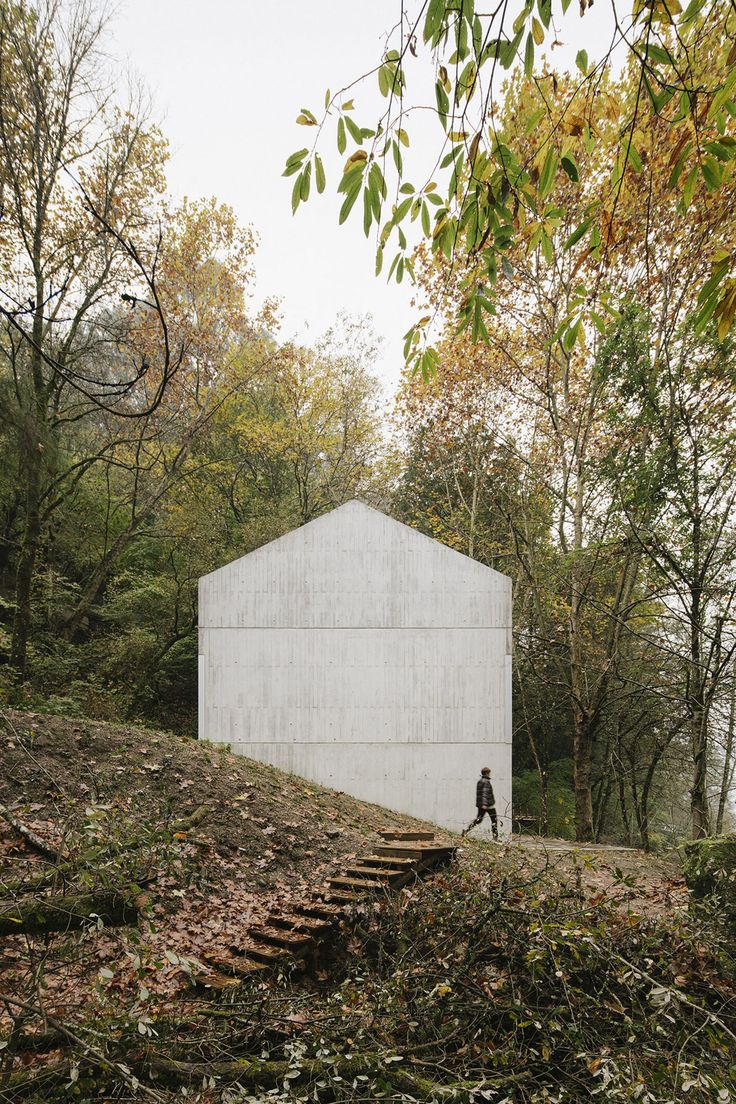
{"x": 227, "y": 79}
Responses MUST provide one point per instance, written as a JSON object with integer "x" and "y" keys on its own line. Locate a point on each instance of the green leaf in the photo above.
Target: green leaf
{"x": 434, "y": 19}
{"x": 533, "y": 119}
{"x": 720, "y": 150}
{"x": 507, "y": 50}
{"x": 367, "y": 211}
{"x": 319, "y": 173}
{"x": 520, "y": 21}
{"x": 443, "y": 104}
{"x": 634, "y": 159}
{"x": 353, "y": 130}
{"x": 377, "y": 180}
{"x": 677, "y": 170}
{"x": 569, "y": 165}
{"x": 692, "y": 10}
{"x": 348, "y": 204}
{"x": 398, "y": 159}
{"x": 581, "y": 60}
{"x": 688, "y": 189}
{"x": 294, "y": 162}
{"x": 341, "y": 139}
{"x": 306, "y": 180}
{"x": 529, "y": 56}
{"x": 426, "y": 224}
{"x": 570, "y": 336}
{"x": 548, "y": 173}
{"x": 578, "y": 233}
{"x": 712, "y": 173}
{"x": 296, "y": 194}
{"x": 456, "y": 177}
{"x": 658, "y": 54}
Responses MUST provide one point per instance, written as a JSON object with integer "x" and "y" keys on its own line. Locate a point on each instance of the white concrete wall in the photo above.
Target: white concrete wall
{"x": 358, "y": 653}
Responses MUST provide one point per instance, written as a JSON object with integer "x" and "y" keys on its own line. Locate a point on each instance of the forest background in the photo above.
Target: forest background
{"x": 154, "y": 425}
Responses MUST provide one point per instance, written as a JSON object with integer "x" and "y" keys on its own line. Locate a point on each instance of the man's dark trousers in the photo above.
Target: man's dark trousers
{"x": 491, "y": 811}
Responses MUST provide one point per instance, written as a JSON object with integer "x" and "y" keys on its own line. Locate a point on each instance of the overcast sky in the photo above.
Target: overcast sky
{"x": 227, "y": 79}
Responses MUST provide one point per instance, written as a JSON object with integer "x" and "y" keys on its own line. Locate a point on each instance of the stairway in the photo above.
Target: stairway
{"x": 290, "y": 936}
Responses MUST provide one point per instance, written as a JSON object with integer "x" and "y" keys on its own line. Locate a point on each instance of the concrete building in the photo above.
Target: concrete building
{"x": 358, "y": 653}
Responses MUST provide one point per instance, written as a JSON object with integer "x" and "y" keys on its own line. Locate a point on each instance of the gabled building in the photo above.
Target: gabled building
{"x": 360, "y": 654}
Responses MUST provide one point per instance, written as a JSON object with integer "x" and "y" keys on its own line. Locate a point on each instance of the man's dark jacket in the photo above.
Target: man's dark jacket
{"x": 484, "y": 793}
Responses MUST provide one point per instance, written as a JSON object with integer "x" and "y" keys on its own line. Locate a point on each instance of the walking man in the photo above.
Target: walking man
{"x": 485, "y": 802}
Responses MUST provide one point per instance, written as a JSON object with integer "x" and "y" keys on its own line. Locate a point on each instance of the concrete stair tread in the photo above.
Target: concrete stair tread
{"x": 362, "y": 883}
{"x": 386, "y": 877}
{"x": 319, "y": 907}
{"x": 346, "y": 896}
{"x": 389, "y": 866}
{"x": 415, "y": 850}
{"x": 235, "y": 964}
{"x": 265, "y": 933}
{"x": 213, "y": 979}
{"x": 297, "y": 923}
{"x": 265, "y": 952}
{"x": 388, "y": 861}
{"x": 398, "y": 834}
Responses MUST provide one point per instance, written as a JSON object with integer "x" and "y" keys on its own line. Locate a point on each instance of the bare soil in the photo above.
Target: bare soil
{"x": 265, "y": 838}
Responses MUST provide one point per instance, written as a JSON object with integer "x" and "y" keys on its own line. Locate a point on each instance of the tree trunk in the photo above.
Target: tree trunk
{"x": 583, "y": 759}
{"x": 33, "y": 434}
{"x": 34, "y": 841}
{"x": 728, "y": 761}
{"x": 43, "y": 915}
{"x": 698, "y": 724}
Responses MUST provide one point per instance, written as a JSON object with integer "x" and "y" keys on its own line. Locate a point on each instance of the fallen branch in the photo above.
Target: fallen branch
{"x": 21, "y": 1084}
{"x": 185, "y": 824}
{"x": 36, "y": 1083}
{"x": 37, "y": 882}
{"x": 267, "y": 1073}
{"x": 42, "y": 915}
{"x": 32, "y": 840}
{"x": 35, "y": 1042}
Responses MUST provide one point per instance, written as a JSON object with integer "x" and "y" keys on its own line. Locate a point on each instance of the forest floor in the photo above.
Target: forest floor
{"x": 110, "y": 799}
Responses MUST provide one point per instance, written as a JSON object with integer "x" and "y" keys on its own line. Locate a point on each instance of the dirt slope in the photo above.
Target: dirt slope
{"x": 105, "y": 796}
{"x": 528, "y": 971}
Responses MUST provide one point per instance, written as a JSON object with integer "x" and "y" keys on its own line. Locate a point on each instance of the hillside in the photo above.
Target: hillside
{"x": 522, "y": 973}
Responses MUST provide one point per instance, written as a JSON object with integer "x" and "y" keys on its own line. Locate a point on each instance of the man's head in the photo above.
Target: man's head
{"x": 486, "y": 772}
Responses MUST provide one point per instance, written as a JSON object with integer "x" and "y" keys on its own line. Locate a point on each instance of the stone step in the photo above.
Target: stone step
{"x": 390, "y": 867}
{"x": 319, "y": 908}
{"x": 213, "y": 979}
{"x": 399, "y": 851}
{"x": 237, "y": 965}
{"x": 397, "y": 834}
{"x": 375, "y": 873}
{"x": 343, "y": 896}
{"x": 295, "y": 942}
{"x": 315, "y": 925}
{"x": 360, "y": 883}
{"x": 388, "y": 863}
{"x": 263, "y": 952}
{"x": 416, "y": 851}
